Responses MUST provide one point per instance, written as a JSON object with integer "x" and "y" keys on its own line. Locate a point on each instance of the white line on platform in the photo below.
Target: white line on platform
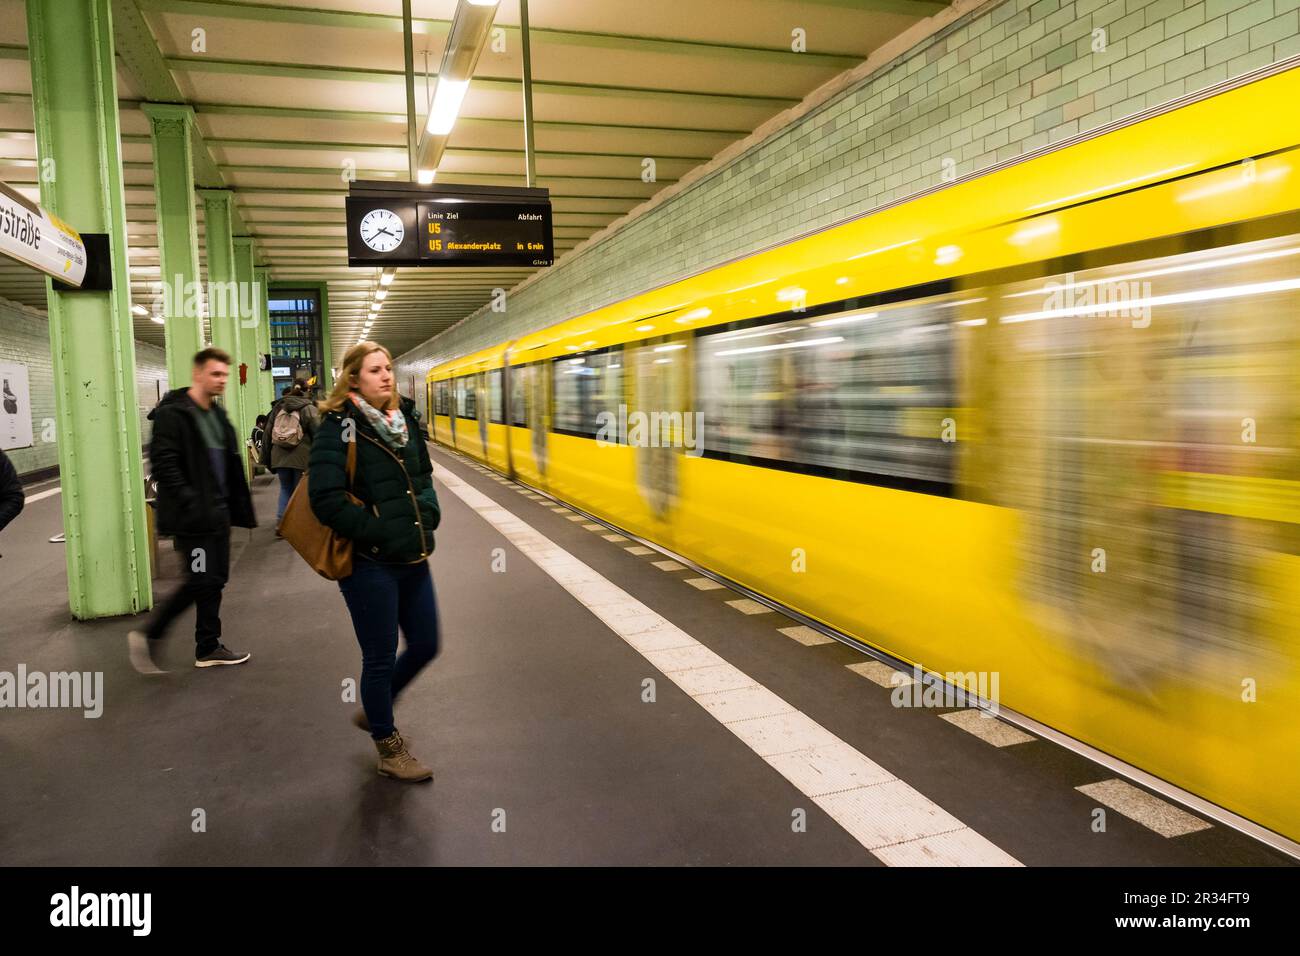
{"x": 896, "y": 823}
{"x": 43, "y": 494}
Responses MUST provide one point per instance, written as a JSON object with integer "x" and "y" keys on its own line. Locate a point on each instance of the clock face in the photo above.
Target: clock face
{"x": 382, "y": 230}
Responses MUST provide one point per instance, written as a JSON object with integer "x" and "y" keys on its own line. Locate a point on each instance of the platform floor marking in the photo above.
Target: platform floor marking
{"x": 1150, "y": 811}
{"x": 988, "y": 729}
{"x": 669, "y": 565}
{"x": 704, "y": 584}
{"x": 748, "y": 606}
{"x": 882, "y": 674}
{"x": 592, "y": 526}
{"x": 896, "y": 823}
{"x": 43, "y": 494}
{"x": 805, "y": 635}
{"x": 615, "y": 538}
{"x": 639, "y": 549}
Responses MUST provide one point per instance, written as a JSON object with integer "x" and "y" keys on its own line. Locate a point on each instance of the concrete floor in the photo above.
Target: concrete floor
{"x": 532, "y": 714}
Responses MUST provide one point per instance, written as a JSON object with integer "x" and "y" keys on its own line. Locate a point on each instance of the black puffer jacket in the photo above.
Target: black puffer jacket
{"x": 178, "y": 458}
{"x": 12, "y": 497}
{"x": 401, "y": 507}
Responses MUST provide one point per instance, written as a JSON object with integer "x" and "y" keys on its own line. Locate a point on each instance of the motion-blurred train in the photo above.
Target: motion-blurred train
{"x": 1043, "y": 421}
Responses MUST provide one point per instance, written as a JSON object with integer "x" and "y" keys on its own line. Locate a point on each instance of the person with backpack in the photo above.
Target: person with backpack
{"x": 288, "y": 437}
{"x": 391, "y": 533}
{"x": 12, "y": 497}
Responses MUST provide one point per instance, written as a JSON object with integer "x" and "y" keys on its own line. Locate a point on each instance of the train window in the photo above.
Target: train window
{"x": 440, "y": 398}
{"x": 494, "y": 396}
{"x": 861, "y": 395}
{"x": 467, "y": 396}
{"x": 584, "y": 386}
{"x": 520, "y": 381}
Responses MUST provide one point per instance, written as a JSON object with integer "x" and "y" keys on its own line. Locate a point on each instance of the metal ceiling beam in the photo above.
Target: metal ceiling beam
{"x": 205, "y": 64}
{"x": 621, "y": 42}
{"x": 140, "y": 57}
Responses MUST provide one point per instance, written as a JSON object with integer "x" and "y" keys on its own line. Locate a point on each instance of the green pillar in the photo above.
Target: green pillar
{"x": 74, "y": 99}
{"x": 171, "y": 129}
{"x": 326, "y": 342}
{"x": 266, "y": 381}
{"x": 223, "y": 294}
{"x": 248, "y": 309}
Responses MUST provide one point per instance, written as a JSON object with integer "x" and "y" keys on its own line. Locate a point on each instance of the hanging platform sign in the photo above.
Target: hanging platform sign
{"x": 406, "y": 224}
{"x": 34, "y": 237}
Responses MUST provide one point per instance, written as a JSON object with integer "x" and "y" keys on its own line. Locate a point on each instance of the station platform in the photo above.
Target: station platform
{"x": 765, "y": 743}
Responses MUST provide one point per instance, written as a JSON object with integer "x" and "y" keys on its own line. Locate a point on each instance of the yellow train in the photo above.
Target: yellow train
{"x": 1041, "y": 423}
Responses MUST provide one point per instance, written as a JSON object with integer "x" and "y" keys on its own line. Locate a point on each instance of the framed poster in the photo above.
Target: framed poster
{"x": 15, "y": 407}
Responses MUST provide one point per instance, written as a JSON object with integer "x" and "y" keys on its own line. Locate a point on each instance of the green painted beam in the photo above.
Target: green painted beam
{"x": 206, "y": 64}
{"x": 172, "y": 131}
{"x": 144, "y": 63}
{"x": 91, "y": 333}
{"x": 618, "y": 42}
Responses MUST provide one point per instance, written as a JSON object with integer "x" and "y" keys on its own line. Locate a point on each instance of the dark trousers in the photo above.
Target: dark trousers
{"x": 288, "y": 482}
{"x": 381, "y": 598}
{"x": 206, "y": 558}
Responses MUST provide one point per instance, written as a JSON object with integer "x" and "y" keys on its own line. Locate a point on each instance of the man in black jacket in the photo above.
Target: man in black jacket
{"x": 12, "y": 498}
{"x": 202, "y": 493}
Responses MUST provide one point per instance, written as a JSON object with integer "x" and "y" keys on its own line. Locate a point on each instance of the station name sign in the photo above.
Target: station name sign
{"x": 399, "y": 224}
{"x": 34, "y": 237}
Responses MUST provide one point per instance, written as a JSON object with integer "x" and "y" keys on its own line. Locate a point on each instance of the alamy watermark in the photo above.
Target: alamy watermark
{"x": 1118, "y": 298}
{"x": 657, "y": 429}
{"x": 78, "y": 690}
{"x": 179, "y": 298}
{"x": 953, "y": 689}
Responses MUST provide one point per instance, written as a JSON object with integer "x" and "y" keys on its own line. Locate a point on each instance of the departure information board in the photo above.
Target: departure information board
{"x": 453, "y": 226}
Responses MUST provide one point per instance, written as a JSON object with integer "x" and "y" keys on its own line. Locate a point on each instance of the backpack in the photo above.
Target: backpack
{"x": 287, "y": 430}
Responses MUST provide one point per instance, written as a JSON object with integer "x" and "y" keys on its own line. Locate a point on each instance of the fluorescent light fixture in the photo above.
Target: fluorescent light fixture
{"x": 662, "y": 361}
{"x": 381, "y": 295}
{"x": 387, "y": 276}
{"x": 758, "y": 335}
{"x": 156, "y": 318}
{"x": 375, "y": 306}
{"x": 669, "y": 348}
{"x": 425, "y": 176}
{"x": 139, "y": 310}
{"x": 972, "y": 322}
{"x": 782, "y": 345}
{"x": 577, "y": 361}
{"x": 447, "y": 97}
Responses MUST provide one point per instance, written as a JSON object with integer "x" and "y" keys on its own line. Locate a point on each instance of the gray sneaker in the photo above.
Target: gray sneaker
{"x": 222, "y": 655}
{"x": 140, "y": 649}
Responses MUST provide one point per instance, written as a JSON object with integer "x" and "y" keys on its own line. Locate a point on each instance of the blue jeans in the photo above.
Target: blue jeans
{"x": 380, "y": 598}
{"x": 288, "y": 481}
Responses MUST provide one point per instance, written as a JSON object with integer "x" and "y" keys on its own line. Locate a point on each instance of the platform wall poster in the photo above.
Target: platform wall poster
{"x": 15, "y": 407}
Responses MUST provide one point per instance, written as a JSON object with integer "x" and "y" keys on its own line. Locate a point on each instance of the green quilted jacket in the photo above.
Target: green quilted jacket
{"x": 396, "y": 524}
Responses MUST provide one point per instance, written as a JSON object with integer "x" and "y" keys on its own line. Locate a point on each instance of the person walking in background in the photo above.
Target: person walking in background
{"x": 293, "y": 422}
{"x": 12, "y": 498}
{"x": 202, "y": 493}
{"x": 391, "y": 534}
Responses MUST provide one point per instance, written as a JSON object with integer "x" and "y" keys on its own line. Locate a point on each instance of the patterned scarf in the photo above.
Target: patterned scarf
{"x": 390, "y": 425}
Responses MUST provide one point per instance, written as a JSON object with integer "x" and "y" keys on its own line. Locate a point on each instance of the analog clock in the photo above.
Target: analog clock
{"x": 382, "y": 230}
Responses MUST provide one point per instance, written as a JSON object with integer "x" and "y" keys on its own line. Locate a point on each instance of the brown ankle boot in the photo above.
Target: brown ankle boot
{"x": 396, "y": 761}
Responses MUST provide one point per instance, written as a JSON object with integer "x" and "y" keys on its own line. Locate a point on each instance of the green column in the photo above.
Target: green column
{"x": 266, "y": 381}
{"x": 248, "y": 310}
{"x": 74, "y": 99}
{"x": 326, "y": 342}
{"x": 223, "y": 293}
{"x": 171, "y": 129}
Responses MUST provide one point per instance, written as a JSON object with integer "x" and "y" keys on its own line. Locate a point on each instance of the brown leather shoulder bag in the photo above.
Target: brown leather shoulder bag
{"x": 327, "y": 551}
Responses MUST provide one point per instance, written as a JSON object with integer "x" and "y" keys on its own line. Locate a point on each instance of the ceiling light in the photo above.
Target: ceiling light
{"x": 381, "y": 295}
{"x": 139, "y": 310}
{"x": 447, "y": 97}
{"x": 156, "y": 318}
{"x": 387, "y": 276}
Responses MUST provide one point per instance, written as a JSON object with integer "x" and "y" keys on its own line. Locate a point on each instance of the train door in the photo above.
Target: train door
{"x": 659, "y": 389}
{"x": 539, "y": 414}
{"x": 507, "y": 405}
